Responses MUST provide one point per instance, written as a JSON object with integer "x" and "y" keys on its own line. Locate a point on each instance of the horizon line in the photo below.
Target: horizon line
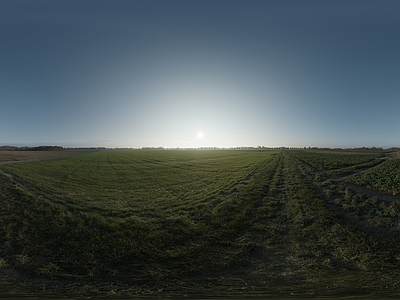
{"x": 188, "y": 148}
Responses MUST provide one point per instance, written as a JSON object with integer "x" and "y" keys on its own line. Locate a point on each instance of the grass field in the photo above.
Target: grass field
{"x": 24, "y": 156}
{"x": 200, "y": 223}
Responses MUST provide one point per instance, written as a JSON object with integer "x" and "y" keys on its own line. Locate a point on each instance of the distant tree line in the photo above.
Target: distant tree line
{"x": 87, "y": 148}
{"x": 39, "y": 148}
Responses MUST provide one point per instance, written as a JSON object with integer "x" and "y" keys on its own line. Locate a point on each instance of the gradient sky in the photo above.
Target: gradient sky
{"x": 156, "y": 73}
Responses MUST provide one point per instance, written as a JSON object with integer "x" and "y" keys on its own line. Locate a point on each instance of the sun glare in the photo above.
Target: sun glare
{"x": 200, "y": 134}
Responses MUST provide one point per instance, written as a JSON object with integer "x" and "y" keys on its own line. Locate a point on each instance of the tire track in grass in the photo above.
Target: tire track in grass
{"x": 234, "y": 219}
{"x": 219, "y": 194}
{"x": 277, "y": 198}
{"x": 308, "y": 171}
{"x": 371, "y": 212}
{"x": 336, "y": 237}
{"x": 307, "y": 221}
{"x": 275, "y": 266}
{"x": 288, "y": 271}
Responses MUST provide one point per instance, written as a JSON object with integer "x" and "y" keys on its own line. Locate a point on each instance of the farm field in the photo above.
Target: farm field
{"x": 385, "y": 178}
{"x": 201, "y": 223}
{"x": 20, "y": 156}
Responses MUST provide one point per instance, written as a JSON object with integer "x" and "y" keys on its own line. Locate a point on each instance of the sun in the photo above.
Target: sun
{"x": 200, "y": 134}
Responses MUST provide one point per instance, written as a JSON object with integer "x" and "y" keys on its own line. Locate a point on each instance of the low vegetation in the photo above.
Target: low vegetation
{"x": 197, "y": 223}
{"x": 11, "y": 156}
{"x": 385, "y": 177}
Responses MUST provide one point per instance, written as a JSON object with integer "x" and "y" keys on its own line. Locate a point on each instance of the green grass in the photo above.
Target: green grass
{"x": 200, "y": 223}
{"x": 385, "y": 177}
{"x": 122, "y": 178}
{"x": 332, "y": 160}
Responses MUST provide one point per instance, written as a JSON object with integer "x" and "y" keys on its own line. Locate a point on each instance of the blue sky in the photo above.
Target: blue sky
{"x": 156, "y": 73}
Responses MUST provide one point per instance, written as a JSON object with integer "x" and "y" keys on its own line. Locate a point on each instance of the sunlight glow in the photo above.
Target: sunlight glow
{"x": 200, "y": 134}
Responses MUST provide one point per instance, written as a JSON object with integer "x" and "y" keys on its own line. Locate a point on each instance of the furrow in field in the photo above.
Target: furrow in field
{"x": 273, "y": 263}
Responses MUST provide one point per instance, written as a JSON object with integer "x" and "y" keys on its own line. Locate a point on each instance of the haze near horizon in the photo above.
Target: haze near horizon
{"x": 200, "y": 73}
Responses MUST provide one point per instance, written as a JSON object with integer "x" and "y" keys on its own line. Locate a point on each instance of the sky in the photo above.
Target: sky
{"x": 217, "y": 73}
